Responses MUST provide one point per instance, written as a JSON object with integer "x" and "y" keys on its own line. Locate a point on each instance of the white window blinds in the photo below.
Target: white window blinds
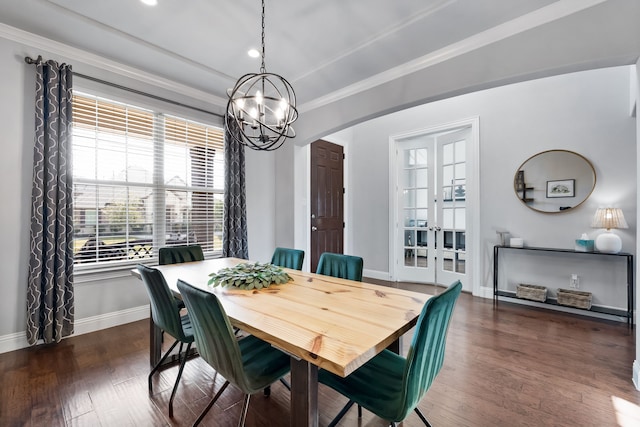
{"x": 143, "y": 180}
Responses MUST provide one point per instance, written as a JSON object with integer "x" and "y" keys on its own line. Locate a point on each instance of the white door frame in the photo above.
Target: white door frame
{"x": 473, "y": 197}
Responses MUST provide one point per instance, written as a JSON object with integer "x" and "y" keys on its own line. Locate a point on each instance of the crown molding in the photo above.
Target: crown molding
{"x": 542, "y": 16}
{"x": 88, "y": 58}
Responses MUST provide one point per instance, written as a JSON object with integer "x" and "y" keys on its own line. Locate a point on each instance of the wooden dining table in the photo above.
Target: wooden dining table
{"x": 319, "y": 321}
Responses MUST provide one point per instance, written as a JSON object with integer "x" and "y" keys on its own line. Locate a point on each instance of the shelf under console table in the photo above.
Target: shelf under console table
{"x": 594, "y": 308}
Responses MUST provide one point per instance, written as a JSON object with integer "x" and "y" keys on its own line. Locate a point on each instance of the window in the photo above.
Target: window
{"x": 143, "y": 180}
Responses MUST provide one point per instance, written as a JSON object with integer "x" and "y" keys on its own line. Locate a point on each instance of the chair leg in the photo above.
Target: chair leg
{"x": 359, "y": 411}
{"x": 203, "y": 413}
{"x": 341, "y": 414}
{"x": 245, "y": 407}
{"x": 422, "y": 417}
{"x": 183, "y": 360}
{"x": 285, "y": 383}
{"x": 155, "y": 368}
{"x": 267, "y": 389}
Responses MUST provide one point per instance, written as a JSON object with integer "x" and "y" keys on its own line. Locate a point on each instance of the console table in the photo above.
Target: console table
{"x": 594, "y": 308}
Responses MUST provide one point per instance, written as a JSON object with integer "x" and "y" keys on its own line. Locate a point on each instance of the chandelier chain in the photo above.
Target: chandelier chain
{"x": 263, "y": 69}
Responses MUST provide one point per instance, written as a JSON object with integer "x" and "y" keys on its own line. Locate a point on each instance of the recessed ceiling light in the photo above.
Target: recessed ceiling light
{"x": 150, "y": 2}
{"x": 253, "y": 53}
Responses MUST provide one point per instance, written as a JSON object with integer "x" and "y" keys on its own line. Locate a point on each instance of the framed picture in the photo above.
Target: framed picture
{"x": 561, "y": 188}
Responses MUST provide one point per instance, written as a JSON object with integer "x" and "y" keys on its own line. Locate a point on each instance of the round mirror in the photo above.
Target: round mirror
{"x": 554, "y": 181}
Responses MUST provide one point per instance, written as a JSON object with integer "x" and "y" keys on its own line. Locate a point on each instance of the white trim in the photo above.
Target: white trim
{"x": 18, "y": 340}
{"x": 66, "y": 51}
{"x": 374, "y": 274}
{"x": 636, "y": 374}
{"x": 542, "y": 16}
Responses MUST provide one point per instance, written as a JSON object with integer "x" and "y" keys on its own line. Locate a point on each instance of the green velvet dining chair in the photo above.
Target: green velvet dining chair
{"x": 248, "y": 363}
{"x": 341, "y": 266}
{"x": 165, "y": 312}
{"x": 288, "y": 258}
{"x": 180, "y": 254}
{"x": 391, "y": 386}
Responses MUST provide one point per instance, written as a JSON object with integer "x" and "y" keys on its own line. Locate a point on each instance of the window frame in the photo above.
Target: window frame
{"x": 121, "y": 268}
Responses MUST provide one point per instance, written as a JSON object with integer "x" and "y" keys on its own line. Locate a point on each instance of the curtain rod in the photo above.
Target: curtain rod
{"x": 29, "y": 60}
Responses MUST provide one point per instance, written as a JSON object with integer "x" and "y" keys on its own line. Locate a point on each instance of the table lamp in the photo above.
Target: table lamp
{"x": 608, "y": 218}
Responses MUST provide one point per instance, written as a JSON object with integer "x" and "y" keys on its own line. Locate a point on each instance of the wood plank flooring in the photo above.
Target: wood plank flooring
{"x": 505, "y": 366}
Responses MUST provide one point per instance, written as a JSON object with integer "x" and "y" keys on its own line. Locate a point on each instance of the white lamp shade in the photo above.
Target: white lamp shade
{"x": 609, "y": 218}
{"x": 608, "y": 242}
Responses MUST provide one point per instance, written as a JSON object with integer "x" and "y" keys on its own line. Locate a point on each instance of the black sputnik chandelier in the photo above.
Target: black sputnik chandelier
{"x": 264, "y": 106}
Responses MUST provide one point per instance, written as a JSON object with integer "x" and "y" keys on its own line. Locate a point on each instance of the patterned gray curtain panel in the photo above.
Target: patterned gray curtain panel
{"x": 234, "y": 236}
{"x": 50, "y": 309}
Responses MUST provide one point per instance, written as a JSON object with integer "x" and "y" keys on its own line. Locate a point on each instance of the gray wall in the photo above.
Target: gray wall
{"x": 586, "y": 112}
{"x": 95, "y": 295}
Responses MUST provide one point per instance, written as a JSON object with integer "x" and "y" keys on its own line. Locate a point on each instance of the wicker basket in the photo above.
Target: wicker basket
{"x": 571, "y": 298}
{"x": 531, "y": 292}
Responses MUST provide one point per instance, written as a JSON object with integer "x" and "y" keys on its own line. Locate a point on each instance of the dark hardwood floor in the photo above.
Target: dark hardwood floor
{"x": 510, "y": 366}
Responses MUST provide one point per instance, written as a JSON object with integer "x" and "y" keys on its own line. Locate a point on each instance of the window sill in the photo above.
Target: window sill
{"x": 117, "y": 270}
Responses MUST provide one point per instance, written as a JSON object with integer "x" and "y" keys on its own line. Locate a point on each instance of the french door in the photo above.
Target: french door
{"x": 431, "y": 205}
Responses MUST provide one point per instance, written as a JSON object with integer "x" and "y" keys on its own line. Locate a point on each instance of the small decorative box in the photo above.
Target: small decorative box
{"x": 584, "y": 245}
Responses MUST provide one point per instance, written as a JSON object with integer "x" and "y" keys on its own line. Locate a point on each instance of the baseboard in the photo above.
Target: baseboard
{"x": 18, "y": 340}
{"x": 380, "y": 275}
{"x": 636, "y": 374}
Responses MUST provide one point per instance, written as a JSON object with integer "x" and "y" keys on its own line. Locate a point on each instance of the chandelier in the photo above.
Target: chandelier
{"x": 264, "y": 106}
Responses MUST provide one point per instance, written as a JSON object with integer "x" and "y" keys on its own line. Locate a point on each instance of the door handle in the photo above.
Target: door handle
{"x": 314, "y": 228}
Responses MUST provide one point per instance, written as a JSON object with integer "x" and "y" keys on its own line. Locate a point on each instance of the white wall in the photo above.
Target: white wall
{"x": 116, "y": 297}
{"x": 586, "y": 112}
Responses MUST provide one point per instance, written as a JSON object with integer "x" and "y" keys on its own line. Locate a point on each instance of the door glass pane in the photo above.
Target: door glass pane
{"x": 409, "y": 198}
{"x": 409, "y": 178}
{"x": 409, "y": 217}
{"x": 460, "y": 218}
{"x": 409, "y": 157}
{"x": 461, "y": 151}
{"x": 447, "y": 218}
{"x": 421, "y": 217}
{"x": 422, "y": 177}
{"x": 422, "y": 198}
{"x": 421, "y": 257}
{"x": 459, "y": 192}
{"x": 447, "y": 175}
{"x": 448, "y": 239}
{"x": 409, "y": 238}
{"x": 409, "y": 257}
{"x": 460, "y": 171}
{"x": 447, "y": 261}
{"x": 421, "y": 157}
{"x": 447, "y": 193}
{"x": 447, "y": 154}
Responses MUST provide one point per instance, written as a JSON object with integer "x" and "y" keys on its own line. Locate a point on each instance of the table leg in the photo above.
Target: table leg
{"x": 304, "y": 394}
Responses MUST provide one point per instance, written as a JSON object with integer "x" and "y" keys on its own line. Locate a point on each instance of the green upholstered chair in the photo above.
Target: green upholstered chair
{"x": 180, "y": 254}
{"x": 249, "y": 363}
{"x": 341, "y": 266}
{"x": 390, "y": 385}
{"x": 165, "y": 312}
{"x": 288, "y": 258}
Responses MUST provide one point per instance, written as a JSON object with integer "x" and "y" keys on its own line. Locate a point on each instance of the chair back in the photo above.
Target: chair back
{"x": 214, "y": 336}
{"x": 180, "y": 254}
{"x": 164, "y": 309}
{"x": 341, "y": 266}
{"x": 288, "y": 258}
{"x": 426, "y": 353}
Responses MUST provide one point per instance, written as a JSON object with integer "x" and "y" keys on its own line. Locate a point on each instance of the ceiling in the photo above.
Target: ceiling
{"x": 328, "y": 50}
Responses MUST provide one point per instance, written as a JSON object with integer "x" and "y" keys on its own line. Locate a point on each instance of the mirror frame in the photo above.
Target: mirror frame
{"x": 517, "y": 191}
